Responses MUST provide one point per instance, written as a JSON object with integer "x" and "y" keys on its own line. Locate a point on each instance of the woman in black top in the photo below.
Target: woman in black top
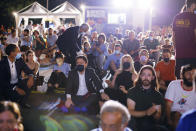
{"x": 123, "y": 80}
{"x": 32, "y": 63}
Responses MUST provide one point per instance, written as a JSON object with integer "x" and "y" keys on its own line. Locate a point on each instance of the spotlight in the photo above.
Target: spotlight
{"x": 82, "y": 7}
{"x": 14, "y": 13}
{"x": 144, "y": 4}
{"x": 123, "y": 3}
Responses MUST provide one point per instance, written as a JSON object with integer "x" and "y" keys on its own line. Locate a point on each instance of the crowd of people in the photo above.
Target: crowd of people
{"x": 123, "y": 74}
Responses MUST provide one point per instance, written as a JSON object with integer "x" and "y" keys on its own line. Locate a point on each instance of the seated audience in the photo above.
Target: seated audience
{"x": 51, "y": 42}
{"x": 113, "y": 61}
{"x": 10, "y": 117}
{"x": 38, "y": 43}
{"x": 152, "y": 45}
{"x": 117, "y": 34}
{"x": 123, "y": 80}
{"x": 32, "y": 62}
{"x": 188, "y": 120}
{"x": 144, "y": 60}
{"x": 94, "y": 37}
{"x": 180, "y": 96}
{"x": 33, "y": 65}
{"x": 165, "y": 70}
{"x": 3, "y": 42}
{"x": 26, "y": 39}
{"x": 114, "y": 117}
{"x": 86, "y": 48}
{"x": 12, "y": 38}
{"x": 144, "y": 101}
{"x": 168, "y": 45}
{"x": 100, "y": 50}
{"x": 58, "y": 78}
{"x": 83, "y": 86}
{"x": 131, "y": 46}
{"x": 13, "y": 87}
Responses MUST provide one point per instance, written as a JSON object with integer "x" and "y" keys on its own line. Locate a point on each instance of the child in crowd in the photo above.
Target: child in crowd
{"x": 60, "y": 72}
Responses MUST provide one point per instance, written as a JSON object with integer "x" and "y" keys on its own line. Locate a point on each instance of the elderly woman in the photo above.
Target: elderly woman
{"x": 10, "y": 117}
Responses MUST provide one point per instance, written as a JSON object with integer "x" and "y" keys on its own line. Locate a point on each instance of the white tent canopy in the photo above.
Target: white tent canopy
{"x": 35, "y": 10}
{"x": 67, "y": 10}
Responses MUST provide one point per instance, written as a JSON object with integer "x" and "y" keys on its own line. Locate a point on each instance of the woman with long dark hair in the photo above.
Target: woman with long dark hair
{"x": 31, "y": 61}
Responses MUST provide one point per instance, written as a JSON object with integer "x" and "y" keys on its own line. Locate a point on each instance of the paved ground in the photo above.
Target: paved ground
{"x": 35, "y": 119}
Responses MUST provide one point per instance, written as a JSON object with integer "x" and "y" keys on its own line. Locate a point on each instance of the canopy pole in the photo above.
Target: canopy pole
{"x": 47, "y": 5}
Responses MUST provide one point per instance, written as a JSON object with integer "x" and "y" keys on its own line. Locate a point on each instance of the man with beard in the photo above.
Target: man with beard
{"x": 188, "y": 120}
{"x": 180, "y": 96}
{"x": 144, "y": 101}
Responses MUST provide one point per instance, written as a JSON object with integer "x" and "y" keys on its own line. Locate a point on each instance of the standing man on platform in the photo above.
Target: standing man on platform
{"x": 70, "y": 42}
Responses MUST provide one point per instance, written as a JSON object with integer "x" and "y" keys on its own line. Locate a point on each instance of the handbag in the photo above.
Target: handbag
{"x": 39, "y": 80}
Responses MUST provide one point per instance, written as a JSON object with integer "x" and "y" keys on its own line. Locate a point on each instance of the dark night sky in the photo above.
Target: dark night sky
{"x": 165, "y": 9}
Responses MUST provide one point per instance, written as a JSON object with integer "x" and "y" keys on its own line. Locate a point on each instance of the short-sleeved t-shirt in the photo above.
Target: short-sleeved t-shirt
{"x": 183, "y": 28}
{"x": 151, "y": 45}
{"x": 144, "y": 98}
{"x": 51, "y": 40}
{"x": 183, "y": 100}
{"x": 167, "y": 72}
{"x": 129, "y": 45}
{"x": 124, "y": 79}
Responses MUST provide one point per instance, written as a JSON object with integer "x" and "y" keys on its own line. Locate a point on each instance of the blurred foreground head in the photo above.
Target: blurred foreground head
{"x": 114, "y": 116}
{"x": 10, "y": 117}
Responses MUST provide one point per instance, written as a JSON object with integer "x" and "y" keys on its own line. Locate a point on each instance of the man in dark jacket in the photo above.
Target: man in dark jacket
{"x": 83, "y": 86}
{"x": 12, "y": 86}
{"x": 70, "y": 42}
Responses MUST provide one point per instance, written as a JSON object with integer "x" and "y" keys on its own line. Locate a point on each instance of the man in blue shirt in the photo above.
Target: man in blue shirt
{"x": 51, "y": 42}
{"x": 113, "y": 61}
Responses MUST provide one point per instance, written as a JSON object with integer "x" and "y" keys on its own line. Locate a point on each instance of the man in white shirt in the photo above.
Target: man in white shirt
{"x": 12, "y": 86}
{"x": 180, "y": 96}
{"x": 12, "y": 38}
{"x": 83, "y": 86}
